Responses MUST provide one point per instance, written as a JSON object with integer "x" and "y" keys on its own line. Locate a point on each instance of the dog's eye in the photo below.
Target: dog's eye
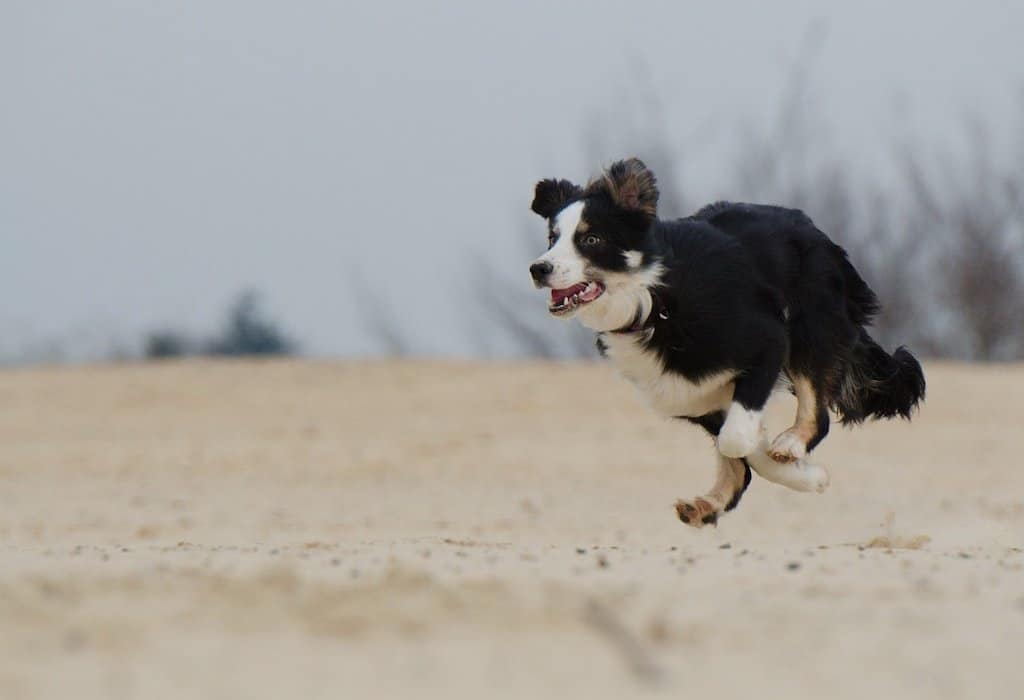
{"x": 591, "y": 240}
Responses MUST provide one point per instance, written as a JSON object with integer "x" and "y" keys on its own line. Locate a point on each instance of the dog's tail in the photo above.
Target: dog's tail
{"x": 876, "y": 384}
{"x": 862, "y": 304}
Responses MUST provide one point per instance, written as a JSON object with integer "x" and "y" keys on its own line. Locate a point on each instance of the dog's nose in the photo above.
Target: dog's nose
{"x": 540, "y": 270}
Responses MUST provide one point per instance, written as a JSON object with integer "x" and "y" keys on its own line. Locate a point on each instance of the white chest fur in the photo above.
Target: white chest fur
{"x": 669, "y": 394}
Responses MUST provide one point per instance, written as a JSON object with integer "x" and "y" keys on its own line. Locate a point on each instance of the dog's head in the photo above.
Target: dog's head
{"x": 599, "y": 262}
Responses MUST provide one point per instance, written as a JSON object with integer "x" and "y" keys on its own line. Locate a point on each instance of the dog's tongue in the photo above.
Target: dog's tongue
{"x": 559, "y": 295}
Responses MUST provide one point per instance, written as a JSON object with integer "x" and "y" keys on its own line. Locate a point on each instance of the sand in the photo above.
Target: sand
{"x": 429, "y": 529}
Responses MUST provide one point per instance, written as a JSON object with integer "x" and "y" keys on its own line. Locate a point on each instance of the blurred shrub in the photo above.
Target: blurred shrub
{"x": 166, "y": 343}
{"x": 246, "y": 331}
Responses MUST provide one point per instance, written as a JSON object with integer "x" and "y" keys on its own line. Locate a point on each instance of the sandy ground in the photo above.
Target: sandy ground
{"x": 314, "y": 529}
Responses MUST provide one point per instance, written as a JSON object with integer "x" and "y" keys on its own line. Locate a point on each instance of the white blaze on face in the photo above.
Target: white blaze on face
{"x": 567, "y": 263}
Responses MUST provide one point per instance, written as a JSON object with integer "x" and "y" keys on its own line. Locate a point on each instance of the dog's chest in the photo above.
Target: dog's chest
{"x": 668, "y": 393}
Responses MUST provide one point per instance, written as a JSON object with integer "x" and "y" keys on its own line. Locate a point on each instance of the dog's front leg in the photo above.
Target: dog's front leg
{"x": 741, "y": 433}
{"x": 733, "y": 476}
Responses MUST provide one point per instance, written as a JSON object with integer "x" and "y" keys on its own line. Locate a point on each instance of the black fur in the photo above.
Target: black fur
{"x": 877, "y": 384}
{"x": 761, "y": 289}
{"x": 754, "y": 288}
{"x": 711, "y": 422}
{"x": 551, "y": 196}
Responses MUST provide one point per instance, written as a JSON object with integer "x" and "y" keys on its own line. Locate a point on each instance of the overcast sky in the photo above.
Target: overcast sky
{"x": 156, "y": 157}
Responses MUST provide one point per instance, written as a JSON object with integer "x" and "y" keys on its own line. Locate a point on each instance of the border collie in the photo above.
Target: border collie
{"x": 707, "y": 314}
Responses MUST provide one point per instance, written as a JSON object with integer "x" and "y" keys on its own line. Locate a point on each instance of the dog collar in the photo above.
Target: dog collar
{"x": 659, "y": 312}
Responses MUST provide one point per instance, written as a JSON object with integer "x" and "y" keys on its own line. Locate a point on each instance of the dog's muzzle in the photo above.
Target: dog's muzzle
{"x": 539, "y": 271}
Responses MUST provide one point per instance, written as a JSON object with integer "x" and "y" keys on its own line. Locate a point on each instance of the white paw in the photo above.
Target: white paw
{"x": 811, "y": 477}
{"x": 741, "y": 433}
{"x": 787, "y": 447}
{"x": 737, "y": 444}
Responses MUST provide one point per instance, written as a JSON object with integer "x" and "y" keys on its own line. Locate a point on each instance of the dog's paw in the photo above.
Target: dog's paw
{"x": 788, "y": 447}
{"x": 799, "y": 475}
{"x": 698, "y": 512}
{"x": 741, "y": 434}
{"x": 812, "y": 477}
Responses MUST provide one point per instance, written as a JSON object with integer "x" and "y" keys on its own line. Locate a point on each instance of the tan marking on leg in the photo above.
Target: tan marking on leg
{"x": 791, "y": 445}
{"x": 704, "y": 510}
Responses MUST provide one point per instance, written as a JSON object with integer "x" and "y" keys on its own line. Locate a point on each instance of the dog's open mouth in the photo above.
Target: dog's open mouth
{"x": 563, "y": 300}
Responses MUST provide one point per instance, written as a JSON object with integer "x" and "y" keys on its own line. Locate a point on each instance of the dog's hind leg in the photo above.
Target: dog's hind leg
{"x": 811, "y": 424}
{"x": 731, "y": 480}
{"x": 799, "y": 475}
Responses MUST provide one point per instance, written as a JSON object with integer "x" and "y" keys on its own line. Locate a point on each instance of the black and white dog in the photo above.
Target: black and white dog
{"x": 707, "y": 314}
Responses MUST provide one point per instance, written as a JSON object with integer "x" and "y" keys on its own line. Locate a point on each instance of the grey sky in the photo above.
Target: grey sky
{"x": 156, "y": 159}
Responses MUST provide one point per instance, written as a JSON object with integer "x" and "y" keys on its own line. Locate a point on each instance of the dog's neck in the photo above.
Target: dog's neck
{"x": 647, "y": 315}
{"x": 621, "y": 311}
{"x": 629, "y": 299}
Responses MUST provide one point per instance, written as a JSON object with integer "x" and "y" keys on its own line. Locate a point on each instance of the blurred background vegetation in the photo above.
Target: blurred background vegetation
{"x": 246, "y": 331}
{"x": 943, "y": 245}
{"x": 359, "y": 184}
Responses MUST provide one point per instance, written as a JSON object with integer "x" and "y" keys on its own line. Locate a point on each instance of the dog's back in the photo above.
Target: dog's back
{"x": 828, "y": 306}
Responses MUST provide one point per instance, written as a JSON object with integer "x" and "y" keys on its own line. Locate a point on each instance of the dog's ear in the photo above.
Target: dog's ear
{"x": 551, "y": 196}
{"x": 632, "y": 186}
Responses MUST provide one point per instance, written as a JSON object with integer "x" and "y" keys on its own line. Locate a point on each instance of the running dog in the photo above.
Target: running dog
{"x": 706, "y": 315}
